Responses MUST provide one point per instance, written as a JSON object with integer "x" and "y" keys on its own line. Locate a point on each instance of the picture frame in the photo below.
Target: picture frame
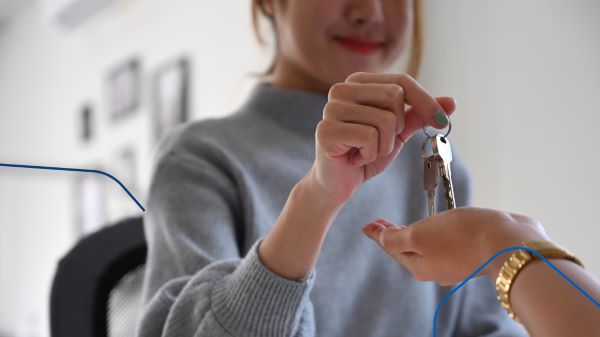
{"x": 86, "y": 123}
{"x": 123, "y": 86}
{"x": 171, "y": 96}
{"x": 90, "y": 204}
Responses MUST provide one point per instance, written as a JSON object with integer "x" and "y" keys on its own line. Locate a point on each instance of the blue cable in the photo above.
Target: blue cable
{"x": 444, "y": 300}
{"x": 460, "y": 285}
{"x": 53, "y": 168}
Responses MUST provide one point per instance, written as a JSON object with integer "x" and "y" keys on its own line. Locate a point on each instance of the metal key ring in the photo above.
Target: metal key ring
{"x": 445, "y": 135}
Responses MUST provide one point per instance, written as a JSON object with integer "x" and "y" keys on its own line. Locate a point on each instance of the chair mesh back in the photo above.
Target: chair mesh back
{"x": 124, "y": 304}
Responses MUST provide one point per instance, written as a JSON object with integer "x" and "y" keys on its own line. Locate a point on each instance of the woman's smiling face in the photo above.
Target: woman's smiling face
{"x": 321, "y": 42}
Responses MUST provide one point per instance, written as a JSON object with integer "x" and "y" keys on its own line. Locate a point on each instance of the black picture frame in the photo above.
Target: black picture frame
{"x": 86, "y": 120}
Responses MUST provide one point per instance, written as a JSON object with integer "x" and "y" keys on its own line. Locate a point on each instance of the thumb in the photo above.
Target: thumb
{"x": 388, "y": 236}
{"x": 413, "y": 122}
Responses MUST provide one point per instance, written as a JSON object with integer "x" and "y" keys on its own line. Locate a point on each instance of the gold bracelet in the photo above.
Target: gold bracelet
{"x": 515, "y": 263}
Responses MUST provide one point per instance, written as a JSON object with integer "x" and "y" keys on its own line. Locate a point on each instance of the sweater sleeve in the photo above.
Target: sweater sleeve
{"x": 197, "y": 282}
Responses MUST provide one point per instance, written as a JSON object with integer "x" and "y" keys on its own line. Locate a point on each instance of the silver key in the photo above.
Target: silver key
{"x": 441, "y": 148}
{"x": 430, "y": 177}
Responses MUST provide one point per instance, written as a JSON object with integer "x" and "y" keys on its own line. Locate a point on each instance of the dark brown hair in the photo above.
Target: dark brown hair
{"x": 416, "y": 51}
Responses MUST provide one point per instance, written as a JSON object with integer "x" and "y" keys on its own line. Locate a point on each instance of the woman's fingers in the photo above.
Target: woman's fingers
{"x": 413, "y": 121}
{"x": 383, "y": 120}
{"x": 364, "y": 128}
{"x": 337, "y": 138}
{"x": 378, "y": 100}
{"x": 426, "y": 106}
{"x": 388, "y": 97}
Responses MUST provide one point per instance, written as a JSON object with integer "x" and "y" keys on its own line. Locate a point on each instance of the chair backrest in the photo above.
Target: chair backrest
{"x": 97, "y": 286}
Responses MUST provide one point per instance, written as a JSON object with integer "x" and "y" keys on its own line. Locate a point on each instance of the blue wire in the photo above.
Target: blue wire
{"x": 444, "y": 300}
{"x": 53, "y": 168}
{"x": 461, "y": 284}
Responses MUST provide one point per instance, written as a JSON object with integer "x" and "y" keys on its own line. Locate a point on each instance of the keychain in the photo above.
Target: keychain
{"x": 438, "y": 164}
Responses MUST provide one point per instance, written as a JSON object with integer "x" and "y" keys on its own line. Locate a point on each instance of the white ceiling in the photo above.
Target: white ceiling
{"x": 8, "y": 8}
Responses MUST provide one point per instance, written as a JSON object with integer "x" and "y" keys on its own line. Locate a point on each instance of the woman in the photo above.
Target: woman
{"x": 254, "y": 220}
{"x": 437, "y": 249}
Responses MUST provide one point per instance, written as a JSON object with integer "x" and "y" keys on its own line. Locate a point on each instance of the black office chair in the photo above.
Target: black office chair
{"x": 96, "y": 290}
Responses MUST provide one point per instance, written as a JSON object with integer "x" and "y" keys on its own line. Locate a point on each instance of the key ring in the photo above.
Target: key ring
{"x": 445, "y": 135}
{"x": 428, "y": 137}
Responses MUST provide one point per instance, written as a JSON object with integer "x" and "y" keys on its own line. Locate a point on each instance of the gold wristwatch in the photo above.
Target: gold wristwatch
{"x": 510, "y": 269}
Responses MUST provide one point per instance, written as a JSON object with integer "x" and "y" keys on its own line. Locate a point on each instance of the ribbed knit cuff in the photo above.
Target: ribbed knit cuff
{"x": 254, "y": 301}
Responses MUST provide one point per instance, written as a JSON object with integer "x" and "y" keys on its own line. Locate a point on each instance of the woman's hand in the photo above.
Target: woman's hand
{"x": 365, "y": 124}
{"x": 449, "y": 246}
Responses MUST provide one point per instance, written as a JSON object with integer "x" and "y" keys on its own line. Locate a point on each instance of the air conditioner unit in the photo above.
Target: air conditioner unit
{"x": 72, "y": 13}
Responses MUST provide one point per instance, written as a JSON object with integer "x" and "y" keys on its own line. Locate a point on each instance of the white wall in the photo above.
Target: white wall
{"x": 45, "y": 77}
{"x": 526, "y": 76}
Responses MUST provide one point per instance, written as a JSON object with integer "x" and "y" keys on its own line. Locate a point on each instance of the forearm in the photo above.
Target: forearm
{"x": 293, "y": 245}
{"x": 549, "y": 306}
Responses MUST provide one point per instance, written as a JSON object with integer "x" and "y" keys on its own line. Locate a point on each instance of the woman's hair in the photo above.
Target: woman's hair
{"x": 416, "y": 50}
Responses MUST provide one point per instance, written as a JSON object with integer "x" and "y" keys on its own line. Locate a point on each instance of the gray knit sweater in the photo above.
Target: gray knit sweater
{"x": 217, "y": 188}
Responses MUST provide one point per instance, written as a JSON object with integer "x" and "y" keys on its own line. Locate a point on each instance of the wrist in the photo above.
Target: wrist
{"x": 493, "y": 247}
{"x": 291, "y": 248}
{"x": 512, "y": 232}
{"x": 519, "y": 260}
{"x": 311, "y": 191}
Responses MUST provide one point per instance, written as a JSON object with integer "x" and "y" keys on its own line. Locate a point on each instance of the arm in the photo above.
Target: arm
{"x": 198, "y": 281}
{"x": 449, "y": 246}
{"x": 550, "y": 306}
{"x": 480, "y": 313}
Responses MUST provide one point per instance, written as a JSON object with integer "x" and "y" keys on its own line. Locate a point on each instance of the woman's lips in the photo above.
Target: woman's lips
{"x": 359, "y": 44}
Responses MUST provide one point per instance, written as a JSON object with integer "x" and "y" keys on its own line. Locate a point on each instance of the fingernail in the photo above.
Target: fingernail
{"x": 441, "y": 118}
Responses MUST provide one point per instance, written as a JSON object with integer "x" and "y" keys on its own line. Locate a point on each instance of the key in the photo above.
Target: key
{"x": 441, "y": 148}
{"x": 430, "y": 177}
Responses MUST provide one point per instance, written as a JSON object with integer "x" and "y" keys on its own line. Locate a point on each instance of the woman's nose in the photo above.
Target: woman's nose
{"x": 362, "y": 12}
